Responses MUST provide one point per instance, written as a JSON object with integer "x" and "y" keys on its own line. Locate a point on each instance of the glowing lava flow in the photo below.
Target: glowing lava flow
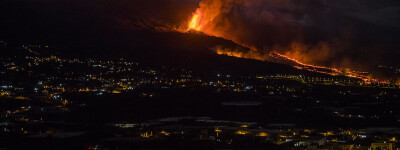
{"x": 280, "y": 58}
{"x": 335, "y": 70}
{"x": 326, "y": 70}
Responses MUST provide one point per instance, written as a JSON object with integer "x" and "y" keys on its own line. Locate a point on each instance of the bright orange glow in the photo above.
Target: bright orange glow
{"x": 334, "y": 70}
{"x": 365, "y": 76}
{"x": 194, "y": 24}
{"x": 328, "y": 70}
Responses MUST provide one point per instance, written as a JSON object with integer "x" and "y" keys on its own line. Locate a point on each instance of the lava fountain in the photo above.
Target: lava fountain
{"x": 193, "y": 24}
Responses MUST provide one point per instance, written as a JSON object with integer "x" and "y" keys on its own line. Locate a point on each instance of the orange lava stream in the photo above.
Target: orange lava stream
{"x": 193, "y": 24}
{"x": 303, "y": 64}
{"x": 328, "y": 70}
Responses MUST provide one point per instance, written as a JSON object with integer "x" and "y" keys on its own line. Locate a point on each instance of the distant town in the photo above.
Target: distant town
{"x": 52, "y": 98}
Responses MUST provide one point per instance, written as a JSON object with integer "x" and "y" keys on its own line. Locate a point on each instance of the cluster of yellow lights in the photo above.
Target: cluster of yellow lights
{"x": 146, "y": 134}
{"x": 241, "y": 132}
{"x": 4, "y": 94}
{"x": 165, "y": 133}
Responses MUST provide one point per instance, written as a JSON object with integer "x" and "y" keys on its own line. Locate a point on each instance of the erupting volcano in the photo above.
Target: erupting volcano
{"x": 202, "y": 22}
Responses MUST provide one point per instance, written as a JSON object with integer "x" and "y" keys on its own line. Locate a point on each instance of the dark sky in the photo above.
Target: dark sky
{"x": 339, "y": 32}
